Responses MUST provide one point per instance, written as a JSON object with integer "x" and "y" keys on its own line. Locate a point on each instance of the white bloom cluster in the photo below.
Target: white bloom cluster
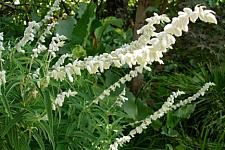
{"x": 29, "y": 35}
{"x": 58, "y": 102}
{"x": 135, "y": 53}
{"x": 123, "y": 140}
{"x": 1, "y": 42}
{"x": 166, "y": 107}
{"x": 126, "y": 78}
{"x": 36, "y": 73}
{"x": 36, "y": 76}
{"x": 17, "y": 2}
{"x": 61, "y": 60}
{"x": 33, "y": 27}
{"x": 60, "y": 73}
{"x": 61, "y": 76}
{"x": 1, "y": 47}
{"x": 2, "y": 73}
{"x": 47, "y": 31}
{"x": 201, "y": 92}
{"x": 44, "y": 118}
{"x": 2, "y": 77}
{"x": 57, "y": 42}
{"x": 143, "y": 51}
{"x": 121, "y": 99}
{"x": 40, "y": 48}
{"x": 181, "y": 22}
{"x": 50, "y": 13}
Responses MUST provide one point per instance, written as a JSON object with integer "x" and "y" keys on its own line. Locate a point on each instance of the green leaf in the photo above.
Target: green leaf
{"x": 81, "y": 10}
{"x": 130, "y": 107}
{"x": 95, "y": 24}
{"x": 110, "y": 78}
{"x": 99, "y": 32}
{"x": 11, "y": 86}
{"x": 82, "y": 29}
{"x": 113, "y": 21}
{"x": 143, "y": 109}
{"x": 169, "y": 132}
{"x": 45, "y": 127}
{"x": 156, "y": 125}
{"x": 186, "y": 111}
{"x": 172, "y": 133}
{"x": 35, "y": 16}
{"x": 106, "y": 26}
{"x": 39, "y": 140}
{"x": 61, "y": 146}
{"x": 5, "y": 104}
{"x": 13, "y": 137}
{"x": 180, "y": 147}
{"x": 48, "y": 107}
{"x": 12, "y": 122}
{"x": 65, "y": 27}
{"x": 171, "y": 120}
{"x": 169, "y": 146}
{"x": 151, "y": 9}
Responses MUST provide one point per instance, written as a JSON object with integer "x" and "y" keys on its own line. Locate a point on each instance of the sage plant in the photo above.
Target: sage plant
{"x": 139, "y": 54}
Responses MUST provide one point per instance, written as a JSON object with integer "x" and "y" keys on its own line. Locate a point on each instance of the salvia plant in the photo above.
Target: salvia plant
{"x": 36, "y": 79}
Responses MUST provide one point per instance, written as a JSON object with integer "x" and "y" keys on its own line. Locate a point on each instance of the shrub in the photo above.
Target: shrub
{"x": 52, "y": 101}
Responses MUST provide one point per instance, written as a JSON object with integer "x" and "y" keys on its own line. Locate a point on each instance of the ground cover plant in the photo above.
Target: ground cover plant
{"x": 57, "y": 97}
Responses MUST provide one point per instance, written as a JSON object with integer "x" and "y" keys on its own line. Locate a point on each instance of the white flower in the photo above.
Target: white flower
{"x": 17, "y": 2}
{"x": 61, "y": 60}
{"x": 121, "y": 98}
{"x": 38, "y": 50}
{"x": 69, "y": 72}
{"x": 166, "y": 107}
{"x": 57, "y": 42}
{"x": 29, "y": 33}
{"x": 1, "y": 44}
{"x": 60, "y": 98}
{"x": 138, "y": 129}
{"x": 209, "y": 17}
{"x": 117, "y": 63}
{"x": 50, "y": 13}
{"x": 106, "y": 92}
{"x": 44, "y": 118}
{"x": 47, "y": 31}
{"x": 2, "y": 77}
{"x": 114, "y": 146}
{"x": 132, "y": 133}
{"x": 184, "y": 21}
{"x": 58, "y": 74}
{"x": 36, "y": 73}
{"x": 1, "y": 36}
{"x": 137, "y": 51}
{"x": 140, "y": 57}
{"x": 92, "y": 67}
{"x": 169, "y": 28}
{"x": 76, "y": 69}
{"x": 127, "y": 77}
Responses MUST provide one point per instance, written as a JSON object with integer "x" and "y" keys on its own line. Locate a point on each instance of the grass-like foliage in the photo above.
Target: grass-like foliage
{"x": 49, "y": 100}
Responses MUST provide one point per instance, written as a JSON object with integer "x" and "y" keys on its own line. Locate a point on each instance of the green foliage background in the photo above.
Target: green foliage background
{"x": 198, "y": 57}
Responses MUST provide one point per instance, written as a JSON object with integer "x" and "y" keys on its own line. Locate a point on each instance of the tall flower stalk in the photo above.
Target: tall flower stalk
{"x": 166, "y": 107}
{"x": 139, "y": 54}
{"x": 145, "y": 50}
{"x": 2, "y": 72}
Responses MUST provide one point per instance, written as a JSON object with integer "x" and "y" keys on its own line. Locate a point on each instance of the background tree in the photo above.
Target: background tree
{"x": 117, "y": 8}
